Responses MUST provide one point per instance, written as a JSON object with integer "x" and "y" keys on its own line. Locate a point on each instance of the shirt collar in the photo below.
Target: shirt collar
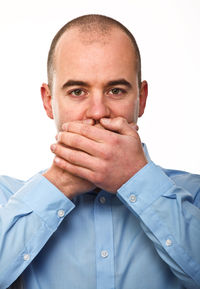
{"x": 146, "y": 152}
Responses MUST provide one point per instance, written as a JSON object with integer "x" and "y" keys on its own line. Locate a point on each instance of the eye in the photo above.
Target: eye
{"x": 77, "y": 92}
{"x": 116, "y": 91}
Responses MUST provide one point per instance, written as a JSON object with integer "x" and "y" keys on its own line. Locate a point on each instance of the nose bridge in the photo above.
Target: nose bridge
{"x": 97, "y": 107}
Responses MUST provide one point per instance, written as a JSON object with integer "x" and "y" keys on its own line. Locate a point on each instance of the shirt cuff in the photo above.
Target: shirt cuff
{"x": 44, "y": 199}
{"x": 145, "y": 187}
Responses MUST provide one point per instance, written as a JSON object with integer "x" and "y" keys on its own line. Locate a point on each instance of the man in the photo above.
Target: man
{"x": 103, "y": 215}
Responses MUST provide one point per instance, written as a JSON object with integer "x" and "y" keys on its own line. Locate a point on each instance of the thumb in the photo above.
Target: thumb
{"x": 133, "y": 126}
{"x": 119, "y": 125}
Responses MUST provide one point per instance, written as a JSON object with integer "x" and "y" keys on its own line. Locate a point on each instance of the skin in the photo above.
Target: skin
{"x": 95, "y": 85}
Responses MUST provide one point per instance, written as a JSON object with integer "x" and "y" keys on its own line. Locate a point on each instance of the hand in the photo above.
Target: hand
{"x": 107, "y": 158}
{"x": 67, "y": 183}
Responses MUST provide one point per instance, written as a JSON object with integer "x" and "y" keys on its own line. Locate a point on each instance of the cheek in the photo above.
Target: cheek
{"x": 59, "y": 113}
{"x": 128, "y": 110}
{"x": 65, "y": 112}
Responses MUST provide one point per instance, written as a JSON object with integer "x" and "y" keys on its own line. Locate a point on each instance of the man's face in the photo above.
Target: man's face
{"x": 94, "y": 77}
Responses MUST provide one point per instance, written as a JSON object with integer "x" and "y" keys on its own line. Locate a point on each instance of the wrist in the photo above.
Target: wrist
{"x": 59, "y": 179}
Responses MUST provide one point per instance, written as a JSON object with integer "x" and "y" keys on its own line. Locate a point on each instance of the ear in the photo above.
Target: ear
{"x": 143, "y": 97}
{"x": 46, "y": 99}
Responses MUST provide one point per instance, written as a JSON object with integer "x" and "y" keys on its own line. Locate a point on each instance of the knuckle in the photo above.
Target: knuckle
{"x": 92, "y": 177}
{"x": 64, "y": 165}
{"x": 60, "y": 137}
{"x": 120, "y": 121}
{"x": 114, "y": 139}
{"x": 107, "y": 154}
{"x": 78, "y": 141}
{"x": 69, "y": 126}
{"x": 98, "y": 178}
{"x": 84, "y": 129}
{"x": 71, "y": 157}
{"x": 69, "y": 140}
{"x": 104, "y": 169}
{"x": 57, "y": 149}
{"x": 73, "y": 140}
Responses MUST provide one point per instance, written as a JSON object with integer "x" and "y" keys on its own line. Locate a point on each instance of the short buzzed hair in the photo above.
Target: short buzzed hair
{"x": 91, "y": 23}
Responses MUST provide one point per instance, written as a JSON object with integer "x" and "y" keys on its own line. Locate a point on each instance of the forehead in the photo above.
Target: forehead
{"x": 81, "y": 52}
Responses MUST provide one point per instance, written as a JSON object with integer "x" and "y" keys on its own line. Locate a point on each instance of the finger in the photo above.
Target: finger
{"x": 120, "y": 125}
{"x": 86, "y": 121}
{"x": 133, "y": 126}
{"x": 75, "y": 157}
{"x": 80, "y": 172}
{"x": 92, "y": 132}
{"x": 79, "y": 142}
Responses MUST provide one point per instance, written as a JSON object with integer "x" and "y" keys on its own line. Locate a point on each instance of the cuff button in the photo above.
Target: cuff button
{"x": 132, "y": 198}
{"x": 61, "y": 213}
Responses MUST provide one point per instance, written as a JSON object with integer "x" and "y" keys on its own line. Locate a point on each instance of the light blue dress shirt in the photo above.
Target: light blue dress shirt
{"x": 147, "y": 236}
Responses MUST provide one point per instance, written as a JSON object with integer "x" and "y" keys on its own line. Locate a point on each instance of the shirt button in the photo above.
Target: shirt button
{"x": 104, "y": 253}
{"x": 61, "y": 213}
{"x": 132, "y": 198}
{"x": 102, "y": 200}
{"x": 26, "y": 257}
{"x": 168, "y": 242}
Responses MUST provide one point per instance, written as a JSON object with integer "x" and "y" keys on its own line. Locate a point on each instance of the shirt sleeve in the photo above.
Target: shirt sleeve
{"x": 27, "y": 220}
{"x": 170, "y": 219}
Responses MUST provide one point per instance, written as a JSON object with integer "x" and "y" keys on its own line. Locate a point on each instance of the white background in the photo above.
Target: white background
{"x": 168, "y": 34}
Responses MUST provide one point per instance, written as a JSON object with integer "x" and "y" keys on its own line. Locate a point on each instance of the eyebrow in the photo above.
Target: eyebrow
{"x": 119, "y": 82}
{"x": 72, "y": 82}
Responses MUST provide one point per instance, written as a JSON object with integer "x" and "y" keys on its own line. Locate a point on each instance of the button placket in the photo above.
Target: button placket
{"x": 104, "y": 239}
{"x": 26, "y": 257}
{"x": 104, "y": 253}
{"x": 102, "y": 200}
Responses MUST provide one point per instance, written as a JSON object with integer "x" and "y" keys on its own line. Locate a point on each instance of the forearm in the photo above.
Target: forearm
{"x": 169, "y": 218}
{"x": 27, "y": 221}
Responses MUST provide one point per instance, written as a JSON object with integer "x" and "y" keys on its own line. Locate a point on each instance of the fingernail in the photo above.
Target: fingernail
{"x": 65, "y": 126}
{"x": 57, "y": 160}
{"x": 105, "y": 120}
{"x": 53, "y": 147}
{"x": 88, "y": 121}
